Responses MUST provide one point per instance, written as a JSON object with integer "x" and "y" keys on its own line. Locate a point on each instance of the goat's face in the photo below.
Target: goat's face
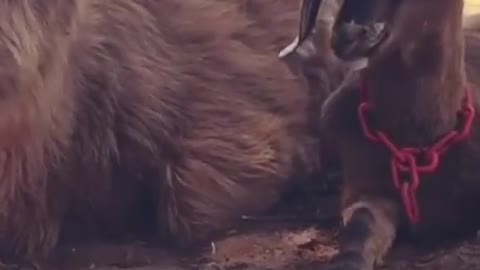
{"x": 362, "y": 26}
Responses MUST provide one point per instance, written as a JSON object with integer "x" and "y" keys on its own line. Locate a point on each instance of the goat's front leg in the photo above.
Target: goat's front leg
{"x": 369, "y": 230}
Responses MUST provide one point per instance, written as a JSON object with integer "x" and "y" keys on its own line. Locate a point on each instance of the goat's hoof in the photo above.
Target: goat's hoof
{"x": 348, "y": 261}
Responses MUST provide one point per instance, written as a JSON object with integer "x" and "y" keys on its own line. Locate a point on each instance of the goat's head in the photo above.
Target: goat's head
{"x": 365, "y": 28}
{"x": 359, "y": 27}
{"x": 362, "y": 26}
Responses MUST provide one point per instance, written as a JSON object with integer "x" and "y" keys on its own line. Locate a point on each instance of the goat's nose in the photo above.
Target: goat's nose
{"x": 350, "y": 32}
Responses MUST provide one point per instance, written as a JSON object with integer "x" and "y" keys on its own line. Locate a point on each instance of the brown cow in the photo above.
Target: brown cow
{"x": 120, "y": 113}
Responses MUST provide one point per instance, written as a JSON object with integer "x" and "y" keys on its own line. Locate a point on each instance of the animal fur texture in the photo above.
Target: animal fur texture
{"x": 118, "y": 112}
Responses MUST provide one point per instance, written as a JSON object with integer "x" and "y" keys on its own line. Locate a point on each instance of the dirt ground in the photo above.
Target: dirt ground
{"x": 271, "y": 245}
{"x": 299, "y": 236}
{"x": 276, "y": 248}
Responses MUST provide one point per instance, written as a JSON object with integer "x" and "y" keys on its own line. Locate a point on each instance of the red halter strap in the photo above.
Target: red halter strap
{"x": 408, "y": 163}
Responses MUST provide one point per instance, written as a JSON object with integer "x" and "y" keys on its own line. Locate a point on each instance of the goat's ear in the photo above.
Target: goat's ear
{"x": 303, "y": 47}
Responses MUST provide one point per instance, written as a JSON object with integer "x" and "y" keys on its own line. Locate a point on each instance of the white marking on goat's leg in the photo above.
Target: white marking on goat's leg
{"x": 368, "y": 233}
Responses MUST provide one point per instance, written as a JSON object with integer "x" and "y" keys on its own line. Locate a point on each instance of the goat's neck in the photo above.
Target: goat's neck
{"x": 416, "y": 87}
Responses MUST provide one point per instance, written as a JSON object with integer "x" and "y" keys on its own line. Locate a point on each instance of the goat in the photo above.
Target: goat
{"x": 406, "y": 125}
{"x": 117, "y": 114}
